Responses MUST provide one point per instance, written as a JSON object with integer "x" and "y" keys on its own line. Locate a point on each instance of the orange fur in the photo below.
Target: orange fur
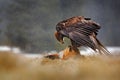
{"x": 67, "y": 53}
{"x": 70, "y": 52}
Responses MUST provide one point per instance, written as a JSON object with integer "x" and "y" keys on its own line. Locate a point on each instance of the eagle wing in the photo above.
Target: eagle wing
{"x": 80, "y": 32}
{"x": 79, "y": 39}
{"x": 85, "y": 28}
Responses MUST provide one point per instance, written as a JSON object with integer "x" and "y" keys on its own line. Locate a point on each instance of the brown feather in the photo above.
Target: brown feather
{"x": 79, "y": 30}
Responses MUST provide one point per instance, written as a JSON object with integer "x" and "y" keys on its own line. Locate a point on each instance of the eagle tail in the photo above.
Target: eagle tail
{"x": 99, "y": 46}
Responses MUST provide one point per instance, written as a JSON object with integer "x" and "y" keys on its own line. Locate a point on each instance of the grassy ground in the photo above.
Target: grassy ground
{"x": 19, "y": 67}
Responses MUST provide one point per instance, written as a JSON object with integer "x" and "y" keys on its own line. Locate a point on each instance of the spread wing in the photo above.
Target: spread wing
{"x": 80, "y": 33}
{"x": 86, "y": 28}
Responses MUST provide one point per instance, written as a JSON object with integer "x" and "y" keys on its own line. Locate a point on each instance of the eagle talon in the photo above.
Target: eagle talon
{"x": 70, "y": 48}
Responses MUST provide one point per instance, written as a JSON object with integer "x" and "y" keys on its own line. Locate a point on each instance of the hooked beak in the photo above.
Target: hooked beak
{"x": 59, "y": 37}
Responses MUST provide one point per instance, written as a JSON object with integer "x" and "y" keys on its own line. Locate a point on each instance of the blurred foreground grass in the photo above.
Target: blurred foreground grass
{"x": 19, "y": 67}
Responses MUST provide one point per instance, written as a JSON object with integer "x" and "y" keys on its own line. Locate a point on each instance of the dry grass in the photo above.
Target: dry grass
{"x": 18, "y": 67}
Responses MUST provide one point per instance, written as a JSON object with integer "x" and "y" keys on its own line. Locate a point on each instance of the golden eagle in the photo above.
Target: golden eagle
{"x": 82, "y": 32}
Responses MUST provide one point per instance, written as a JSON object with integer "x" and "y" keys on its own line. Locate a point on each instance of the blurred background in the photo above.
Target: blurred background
{"x": 30, "y": 24}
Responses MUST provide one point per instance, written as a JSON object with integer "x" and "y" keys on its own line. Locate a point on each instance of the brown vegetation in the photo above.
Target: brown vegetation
{"x": 18, "y": 67}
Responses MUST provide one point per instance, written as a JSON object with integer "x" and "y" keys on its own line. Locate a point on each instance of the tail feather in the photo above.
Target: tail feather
{"x": 99, "y": 46}
{"x": 102, "y": 48}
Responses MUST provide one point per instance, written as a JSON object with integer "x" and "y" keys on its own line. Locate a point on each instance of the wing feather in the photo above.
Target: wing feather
{"x": 80, "y": 33}
{"x": 81, "y": 39}
{"x": 84, "y": 28}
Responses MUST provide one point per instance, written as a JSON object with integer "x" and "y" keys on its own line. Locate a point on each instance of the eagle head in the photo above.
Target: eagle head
{"x": 59, "y": 37}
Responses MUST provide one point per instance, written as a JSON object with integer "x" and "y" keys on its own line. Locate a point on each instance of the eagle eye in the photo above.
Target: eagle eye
{"x": 58, "y": 28}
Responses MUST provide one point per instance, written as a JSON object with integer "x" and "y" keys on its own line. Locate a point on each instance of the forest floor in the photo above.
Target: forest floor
{"x": 19, "y": 67}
